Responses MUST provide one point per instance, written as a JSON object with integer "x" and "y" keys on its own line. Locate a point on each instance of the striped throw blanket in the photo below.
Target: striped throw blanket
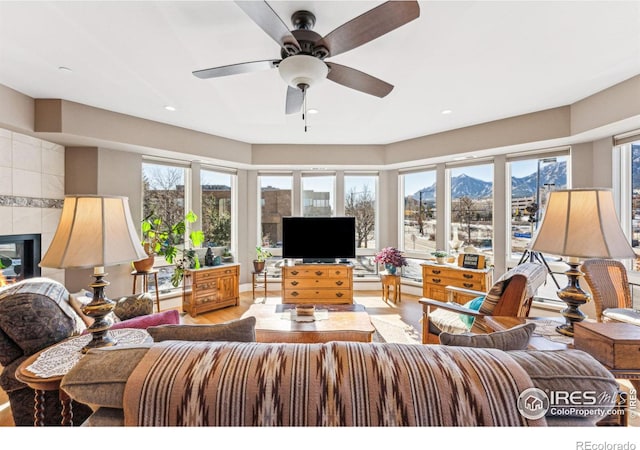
{"x": 180, "y": 383}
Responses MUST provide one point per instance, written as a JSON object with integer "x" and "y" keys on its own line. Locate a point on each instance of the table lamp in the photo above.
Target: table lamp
{"x": 95, "y": 231}
{"x": 580, "y": 224}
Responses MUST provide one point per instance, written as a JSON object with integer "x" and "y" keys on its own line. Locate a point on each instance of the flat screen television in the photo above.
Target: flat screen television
{"x": 318, "y": 239}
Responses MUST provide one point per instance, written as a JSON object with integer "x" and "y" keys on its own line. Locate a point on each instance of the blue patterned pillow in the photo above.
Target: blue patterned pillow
{"x": 472, "y": 304}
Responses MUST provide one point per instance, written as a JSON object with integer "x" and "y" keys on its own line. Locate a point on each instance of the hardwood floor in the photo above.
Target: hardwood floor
{"x": 407, "y": 312}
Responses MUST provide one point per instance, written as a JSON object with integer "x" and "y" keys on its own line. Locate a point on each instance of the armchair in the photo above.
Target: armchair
{"x": 609, "y": 285}
{"x": 510, "y": 295}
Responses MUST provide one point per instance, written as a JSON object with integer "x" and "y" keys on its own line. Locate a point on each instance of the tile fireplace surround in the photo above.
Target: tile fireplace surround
{"x": 31, "y": 189}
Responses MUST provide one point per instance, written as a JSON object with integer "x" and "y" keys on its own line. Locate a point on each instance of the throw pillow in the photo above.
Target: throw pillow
{"x": 474, "y": 305}
{"x": 133, "y": 306}
{"x": 240, "y": 330}
{"x": 516, "y": 338}
{"x": 169, "y": 317}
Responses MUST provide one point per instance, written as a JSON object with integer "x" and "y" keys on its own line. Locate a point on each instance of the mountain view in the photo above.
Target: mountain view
{"x": 464, "y": 185}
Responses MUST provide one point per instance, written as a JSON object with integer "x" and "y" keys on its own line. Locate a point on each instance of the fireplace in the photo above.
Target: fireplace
{"x": 19, "y": 257}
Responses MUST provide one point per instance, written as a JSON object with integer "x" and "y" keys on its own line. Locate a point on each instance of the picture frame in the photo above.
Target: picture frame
{"x": 471, "y": 261}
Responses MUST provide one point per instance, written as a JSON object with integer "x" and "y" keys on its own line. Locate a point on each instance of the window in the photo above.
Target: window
{"x": 531, "y": 181}
{"x": 471, "y": 206}
{"x": 635, "y": 194}
{"x": 360, "y": 202}
{"x": 419, "y": 218}
{"x": 164, "y": 196}
{"x": 216, "y": 208}
{"x": 275, "y": 203}
{"x": 318, "y": 194}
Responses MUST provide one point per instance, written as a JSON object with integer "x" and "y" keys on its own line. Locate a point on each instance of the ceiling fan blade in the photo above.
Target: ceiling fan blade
{"x": 370, "y": 25}
{"x": 235, "y": 69}
{"x": 295, "y": 97}
{"x": 357, "y": 80}
{"x": 266, "y": 18}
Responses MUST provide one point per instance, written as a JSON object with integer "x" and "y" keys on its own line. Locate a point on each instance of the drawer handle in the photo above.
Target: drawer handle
{"x": 435, "y": 272}
{"x": 227, "y": 271}
{"x": 339, "y": 283}
{"x": 318, "y": 272}
{"x": 294, "y": 283}
{"x": 339, "y": 294}
{"x": 468, "y": 285}
{"x": 294, "y": 294}
{"x": 294, "y": 272}
{"x": 467, "y": 275}
{"x": 436, "y": 280}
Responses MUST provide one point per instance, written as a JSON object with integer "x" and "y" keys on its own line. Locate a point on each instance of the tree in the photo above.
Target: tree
{"x": 162, "y": 196}
{"x": 217, "y": 227}
{"x": 463, "y": 212}
{"x": 361, "y": 205}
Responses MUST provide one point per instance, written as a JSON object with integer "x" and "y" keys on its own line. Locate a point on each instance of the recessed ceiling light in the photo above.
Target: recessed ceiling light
{"x": 313, "y": 111}
{"x": 170, "y": 108}
{"x": 446, "y": 111}
{"x": 65, "y": 69}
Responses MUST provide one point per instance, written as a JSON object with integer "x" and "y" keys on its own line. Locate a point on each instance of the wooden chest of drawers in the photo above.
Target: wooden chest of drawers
{"x": 435, "y": 277}
{"x": 317, "y": 283}
{"x": 210, "y": 288}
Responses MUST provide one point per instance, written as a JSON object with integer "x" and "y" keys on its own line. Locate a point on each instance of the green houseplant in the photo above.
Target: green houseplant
{"x": 162, "y": 239}
{"x": 441, "y": 256}
{"x": 261, "y": 255}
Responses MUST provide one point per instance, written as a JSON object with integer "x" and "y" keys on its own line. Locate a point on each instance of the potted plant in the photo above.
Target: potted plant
{"x": 227, "y": 256}
{"x": 441, "y": 256}
{"x": 164, "y": 239}
{"x": 392, "y": 258}
{"x": 261, "y": 255}
{"x": 154, "y": 240}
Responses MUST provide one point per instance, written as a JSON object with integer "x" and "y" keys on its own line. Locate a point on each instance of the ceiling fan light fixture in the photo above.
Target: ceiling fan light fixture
{"x": 299, "y": 70}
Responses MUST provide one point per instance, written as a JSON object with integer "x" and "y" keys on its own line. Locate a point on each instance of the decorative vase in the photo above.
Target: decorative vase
{"x": 391, "y": 269}
{"x": 441, "y": 259}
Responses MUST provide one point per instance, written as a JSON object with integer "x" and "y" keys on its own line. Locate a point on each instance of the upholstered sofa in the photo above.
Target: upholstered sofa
{"x": 38, "y": 312}
{"x": 197, "y": 383}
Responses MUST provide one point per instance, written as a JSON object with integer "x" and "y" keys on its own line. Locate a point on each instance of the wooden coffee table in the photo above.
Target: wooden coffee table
{"x": 348, "y": 322}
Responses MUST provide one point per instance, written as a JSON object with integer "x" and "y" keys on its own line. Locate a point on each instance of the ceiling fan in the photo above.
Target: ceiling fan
{"x": 303, "y": 51}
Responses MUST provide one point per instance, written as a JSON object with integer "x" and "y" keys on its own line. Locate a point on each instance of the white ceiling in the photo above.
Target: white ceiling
{"x": 482, "y": 60}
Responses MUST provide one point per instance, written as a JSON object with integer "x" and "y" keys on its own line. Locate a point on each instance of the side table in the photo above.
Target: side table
{"x": 615, "y": 344}
{"x": 145, "y": 283}
{"x": 43, "y": 371}
{"x": 388, "y": 281}
{"x": 259, "y": 280}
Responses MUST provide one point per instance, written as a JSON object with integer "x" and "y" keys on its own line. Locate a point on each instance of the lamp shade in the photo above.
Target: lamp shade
{"x": 302, "y": 69}
{"x": 94, "y": 231}
{"x": 582, "y": 223}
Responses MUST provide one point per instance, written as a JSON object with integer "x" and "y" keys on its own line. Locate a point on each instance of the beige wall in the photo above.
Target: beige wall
{"x": 105, "y": 153}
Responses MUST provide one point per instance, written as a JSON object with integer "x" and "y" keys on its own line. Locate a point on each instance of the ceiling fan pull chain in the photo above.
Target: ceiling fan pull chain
{"x": 304, "y": 107}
